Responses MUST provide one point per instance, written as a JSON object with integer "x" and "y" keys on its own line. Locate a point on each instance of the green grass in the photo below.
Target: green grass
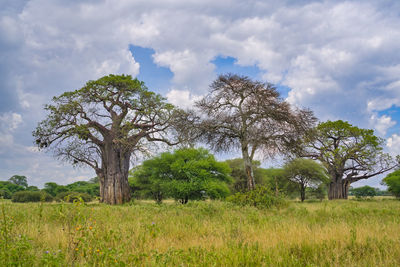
{"x": 335, "y": 233}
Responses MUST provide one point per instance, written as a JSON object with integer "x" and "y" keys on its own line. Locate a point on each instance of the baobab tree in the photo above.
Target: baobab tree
{"x": 348, "y": 153}
{"x": 103, "y": 124}
{"x": 239, "y": 113}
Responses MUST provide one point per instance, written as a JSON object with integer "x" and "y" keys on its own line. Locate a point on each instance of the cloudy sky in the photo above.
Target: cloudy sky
{"x": 339, "y": 58}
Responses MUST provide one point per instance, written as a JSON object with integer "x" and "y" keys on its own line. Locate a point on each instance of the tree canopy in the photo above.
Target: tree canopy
{"x": 185, "y": 174}
{"x": 247, "y": 115}
{"x": 348, "y": 153}
{"x": 19, "y": 180}
{"x": 103, "y": 124}
{"x": 392, "y": 181}
{"x": 305, "y": 173}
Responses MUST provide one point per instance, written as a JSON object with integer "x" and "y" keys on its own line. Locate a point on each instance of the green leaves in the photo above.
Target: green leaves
{"x": 185, "y": 174}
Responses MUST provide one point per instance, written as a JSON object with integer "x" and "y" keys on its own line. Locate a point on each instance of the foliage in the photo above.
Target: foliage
{"x": 347, "y": 152}
{"x": 239, "y": 176}
{"x": 319, "y": 192}
{"x": 260, "y": 197}
{"x": 7, "y": 189}
{"x": 19, "y": 180}
{"x": 392, "y": 181}
{"x": 305, "y": 173}
{"x": 364, "y": 191}
{"x": 247, "y": 115}
{"x": 71, "y": 196}
{"x": 184, "y": 174}
{"x": 31, "y": 196}
{"x": 104, "y": 123}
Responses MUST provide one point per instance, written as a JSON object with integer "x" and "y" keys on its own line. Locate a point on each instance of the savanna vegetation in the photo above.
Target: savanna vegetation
{"x": 200, "y": 233}
{"x": 182, "y": 207}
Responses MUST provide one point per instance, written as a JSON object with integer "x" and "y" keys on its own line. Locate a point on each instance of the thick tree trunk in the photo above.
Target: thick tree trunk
{"x": 114, "y": 186}
{"x": 248, "y": 167}
{"x": 338, "y": 189}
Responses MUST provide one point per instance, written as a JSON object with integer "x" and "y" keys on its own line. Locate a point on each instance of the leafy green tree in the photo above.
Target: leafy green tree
{"x": 53, "y": 188}
{"x": 364, "y": 191}
{"x": 19, "y": 180}
{"x": 392, "y": 181}
{"x": 247, "y": 115}
{"x": 7, "y": 189}
{"x": 185, "y": 174}
{"x": 104, "y": 123}
{"x": 348, "y": 153}
{"x": 305, "y": 173}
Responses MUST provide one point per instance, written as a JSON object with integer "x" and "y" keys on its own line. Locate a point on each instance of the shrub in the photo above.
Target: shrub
{"x": 365, "y": 191}
{"x": 71, "y": 196}
{"x": 260, "y": 197}
{"x": 31, "y": 196}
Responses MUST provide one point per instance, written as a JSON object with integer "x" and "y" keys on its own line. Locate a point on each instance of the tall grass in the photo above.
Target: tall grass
{"x": 336, "y": 233}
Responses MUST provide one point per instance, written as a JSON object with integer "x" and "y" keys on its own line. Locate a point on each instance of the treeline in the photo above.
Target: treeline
{"x": 194, "y": 174}
{"x": 17, "y": 189}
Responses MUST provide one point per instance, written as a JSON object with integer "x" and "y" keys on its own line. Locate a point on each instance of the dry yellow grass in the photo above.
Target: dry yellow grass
{"x": 337, "y": 233}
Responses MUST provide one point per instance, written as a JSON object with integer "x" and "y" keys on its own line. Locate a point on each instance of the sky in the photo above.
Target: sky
{"x": 339, "y": 58}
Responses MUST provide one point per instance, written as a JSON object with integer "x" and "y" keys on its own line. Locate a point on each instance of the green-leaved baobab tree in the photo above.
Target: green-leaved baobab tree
{"x": 103, "y": 124}
{"x": 348, "y": 153}
{"x": 239, "y": 113}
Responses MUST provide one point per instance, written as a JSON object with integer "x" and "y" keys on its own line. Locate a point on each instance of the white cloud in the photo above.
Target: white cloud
{"x": 393, "y": 144}
{"x": 382, "y": 123}
{"x": 182, "y": 98}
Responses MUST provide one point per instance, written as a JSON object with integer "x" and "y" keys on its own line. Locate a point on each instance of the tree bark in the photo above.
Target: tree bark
{"x": 302, "y": 193}
{"x": 248, "y": 167}
{"x": 114, "y": 186}
{"x": 338, "y": 189}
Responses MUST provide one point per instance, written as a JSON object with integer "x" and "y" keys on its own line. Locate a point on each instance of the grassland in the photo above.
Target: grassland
{"x": 336, "y": 233}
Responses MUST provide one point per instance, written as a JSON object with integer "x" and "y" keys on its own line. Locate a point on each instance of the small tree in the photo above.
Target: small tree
{"x": 19, "y": 180}
{"x": 185, "y": 174}
{"x": 239, "y": 113}
{"x": 305, "y": 173}
{"x": 392, "y": 181}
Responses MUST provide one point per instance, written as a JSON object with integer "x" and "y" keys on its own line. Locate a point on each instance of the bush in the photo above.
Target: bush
{"x": 260, "y": 197}
{"x": 71, "y": 196}
{"x": 363, "y": 192}
{"x": 31, "y": 196}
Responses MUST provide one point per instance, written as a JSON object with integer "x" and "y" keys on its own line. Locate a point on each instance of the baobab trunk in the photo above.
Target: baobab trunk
{"x": 338, "y": 189}
{"x": 248, "y": 168}
{"x": 114, "y": 186}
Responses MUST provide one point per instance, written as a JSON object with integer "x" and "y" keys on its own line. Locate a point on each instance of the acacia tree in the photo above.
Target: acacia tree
{"x": 305, "y": 173}
{"x": 103, "y": 123}
{"x": 250, "y": 116}
{"x": 348, "y": 153}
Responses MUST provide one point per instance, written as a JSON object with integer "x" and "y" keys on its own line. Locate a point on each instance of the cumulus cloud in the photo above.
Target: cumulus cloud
{"x": 393, "y": 144}
{"x": 182, "y": 98}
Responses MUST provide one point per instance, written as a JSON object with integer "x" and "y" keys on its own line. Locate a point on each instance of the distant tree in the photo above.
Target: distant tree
{"x": 32, "y": 188}
{"x": 185, "y": 174}
{"x": 19, "y": 180}
{"x": 392, "y": 181}
{"x": 305, "y": 173}
{"x": 239, "y": 113}
{"x": 104, "y": 123}
{"x": 348, "y": 153}
{"x": 7, "y": 189}
{"x": 53, "y": 188}
{"x": 364, "y": 191}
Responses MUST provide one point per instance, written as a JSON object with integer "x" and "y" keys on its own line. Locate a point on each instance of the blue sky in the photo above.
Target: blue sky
{"x": 338, "y": 58}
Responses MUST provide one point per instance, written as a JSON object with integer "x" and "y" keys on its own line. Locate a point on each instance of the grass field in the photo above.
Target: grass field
{"x": 329, "y": 233}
